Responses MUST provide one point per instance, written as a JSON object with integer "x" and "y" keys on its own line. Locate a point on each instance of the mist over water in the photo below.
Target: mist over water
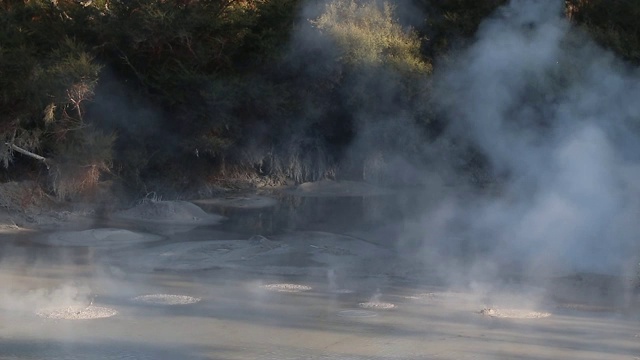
{"x": 553, "y": 114}
{"x": 556, "y": 117}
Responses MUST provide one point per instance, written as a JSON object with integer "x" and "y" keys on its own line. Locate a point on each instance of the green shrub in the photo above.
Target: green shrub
{"x": 368, "y": 34}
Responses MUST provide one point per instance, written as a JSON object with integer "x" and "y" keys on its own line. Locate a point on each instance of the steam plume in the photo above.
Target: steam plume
{"x": 553, "y": 114}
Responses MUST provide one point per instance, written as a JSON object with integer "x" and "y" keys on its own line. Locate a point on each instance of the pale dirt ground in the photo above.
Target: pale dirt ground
{"x": 240, "y": 317}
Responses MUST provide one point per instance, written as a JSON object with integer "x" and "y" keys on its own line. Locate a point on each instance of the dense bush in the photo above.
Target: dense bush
{"x": 169, "y": 93}
{"x": 47, "y": 78}
{"x": 613, "y": 23}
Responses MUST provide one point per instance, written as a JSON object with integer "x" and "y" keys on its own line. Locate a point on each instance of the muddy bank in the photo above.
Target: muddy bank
{"x": 298, "y": 294}
{"x": 26, "y": 204}
{"x": 329, "y": 229}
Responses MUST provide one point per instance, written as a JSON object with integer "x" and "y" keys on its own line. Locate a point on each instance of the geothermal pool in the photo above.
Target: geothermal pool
{"x": 297, "y": 293}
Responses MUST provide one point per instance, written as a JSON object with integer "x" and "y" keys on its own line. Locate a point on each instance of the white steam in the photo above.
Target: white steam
{"x": 67, "y": 295}
{"x": 554, "y": 115}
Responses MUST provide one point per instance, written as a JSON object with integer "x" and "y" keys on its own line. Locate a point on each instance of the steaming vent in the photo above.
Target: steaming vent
{"x": 513, "y": 313}
{"x": 378, "y": 305}
{"x": 166, "y": 299}
{"x": 77, "y": 313}
{"x": 286, "y": 288}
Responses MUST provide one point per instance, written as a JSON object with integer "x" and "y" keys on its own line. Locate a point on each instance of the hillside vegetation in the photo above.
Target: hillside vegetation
{"x": 176, "y": 96}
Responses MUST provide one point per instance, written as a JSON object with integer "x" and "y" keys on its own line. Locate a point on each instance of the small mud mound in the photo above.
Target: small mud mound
{"x": 77, "y": 313}
{"x": 107, "y": 238}
{"x": 169, "y": 212}
{"x": 166, "y": 299}
{"x": 263, "y": 242}
{"x": 357, "y": 313}
{"x": 287, "y": 288}
{"x": 513, "y": 313}
{"x": 377, "y": 305}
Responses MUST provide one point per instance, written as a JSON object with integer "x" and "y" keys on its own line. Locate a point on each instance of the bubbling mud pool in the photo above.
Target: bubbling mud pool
{"x": 377, "y": 305}
{"x": 286, "y": 288}
{"x": 77, "y": 313}
{"x": 513, "y": 313}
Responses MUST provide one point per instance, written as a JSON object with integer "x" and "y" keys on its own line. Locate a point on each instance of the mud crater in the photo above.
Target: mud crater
{"x": 286, "y": 288}
{"x": 77, "y": 312}
{"x": 377, "y": 305}
{"x": 513, "y": 313}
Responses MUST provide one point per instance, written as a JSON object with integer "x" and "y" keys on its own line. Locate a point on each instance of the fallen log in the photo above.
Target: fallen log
{"x": 22, "y": 151}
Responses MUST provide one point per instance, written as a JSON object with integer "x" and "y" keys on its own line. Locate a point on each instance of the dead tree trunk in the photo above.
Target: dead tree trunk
{"x": 22, "y": 151}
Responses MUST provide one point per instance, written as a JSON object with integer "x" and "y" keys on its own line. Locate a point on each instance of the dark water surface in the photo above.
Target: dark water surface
{"x": 334, "y": 214}
{"x": 237, "y": 318}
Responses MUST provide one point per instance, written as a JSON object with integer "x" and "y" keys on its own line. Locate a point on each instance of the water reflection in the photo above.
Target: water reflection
{"x": 299, "y": 213}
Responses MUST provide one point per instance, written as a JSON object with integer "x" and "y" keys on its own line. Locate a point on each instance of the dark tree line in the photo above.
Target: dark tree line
{"x": 177, "y": 94}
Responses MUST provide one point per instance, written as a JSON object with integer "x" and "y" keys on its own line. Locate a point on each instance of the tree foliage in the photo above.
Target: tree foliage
{"x": 188, "y": 89}
{"x": 452, "y": 23}
{"x": 613, "y": 23}
{"x": 368, "y": 34}
{"x": 47, "y": 78}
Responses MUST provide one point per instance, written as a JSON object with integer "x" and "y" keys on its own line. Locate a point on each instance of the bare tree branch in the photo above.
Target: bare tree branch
{"x": 22, "y": 151}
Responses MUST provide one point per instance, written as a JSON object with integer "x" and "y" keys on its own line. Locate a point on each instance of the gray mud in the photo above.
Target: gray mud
{"x": 297, "y": 294}
{"x": 168, "y": 212}
{"x": 108, "y": 238}
{"x": 296, "y": 253}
